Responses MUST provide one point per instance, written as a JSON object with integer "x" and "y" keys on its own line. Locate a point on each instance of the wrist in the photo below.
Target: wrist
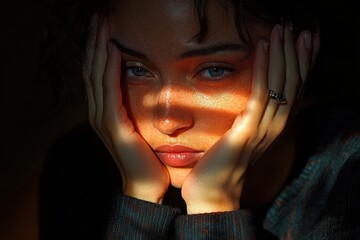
{"x": 212, "y": 200}
{"x": 145, "y": 193}
{"x": 210, "y": 207}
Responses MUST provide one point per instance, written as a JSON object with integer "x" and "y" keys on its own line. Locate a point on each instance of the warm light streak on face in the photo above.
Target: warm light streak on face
{"x": 204, "y": 100}
{"x": 191, "y": 100}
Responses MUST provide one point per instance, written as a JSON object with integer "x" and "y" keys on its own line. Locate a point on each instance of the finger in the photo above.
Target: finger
{"x": 96, "y": 79}
{"x": 307, "y": 48}
{"x": 247, "y": 124}
{"x": 276, "y": 59}
{"x": 292, "y": 80}
{"x": 275, "y": 78}
{"x": 291, "y": 86}
{"x": 277, "y": 66}
{"x": 112, "y": 87}
{"x": 98, "y": 67}
{"x": 87, "y": 66}
{"x": 315, "y": 45}
{"x": 304, "y": 51}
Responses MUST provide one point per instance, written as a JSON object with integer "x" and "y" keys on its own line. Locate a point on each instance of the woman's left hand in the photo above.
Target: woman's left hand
{"x": 215, "y": 183}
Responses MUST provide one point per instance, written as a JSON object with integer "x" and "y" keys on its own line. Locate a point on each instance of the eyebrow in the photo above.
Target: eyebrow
{"x": 129, "y": 51}
{"x": 223, "y": 47}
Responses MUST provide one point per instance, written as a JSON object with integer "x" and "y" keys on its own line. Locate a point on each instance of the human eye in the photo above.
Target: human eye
{"x": 214, "y": 71}
{"x": 135, "y": 71}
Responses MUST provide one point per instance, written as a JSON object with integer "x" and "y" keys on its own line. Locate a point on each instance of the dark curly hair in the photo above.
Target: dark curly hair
{"x": 69, "y": 25}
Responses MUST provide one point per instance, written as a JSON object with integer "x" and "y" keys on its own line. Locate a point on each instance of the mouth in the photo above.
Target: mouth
{"x": 178, "y": 156}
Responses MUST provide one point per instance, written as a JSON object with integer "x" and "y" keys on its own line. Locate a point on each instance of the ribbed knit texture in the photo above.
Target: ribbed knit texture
{"x": 341, "y": 217}
{"x": 136, "y": 219}
{"x": 225, "y": 225}
{"x": 297, "y": 209}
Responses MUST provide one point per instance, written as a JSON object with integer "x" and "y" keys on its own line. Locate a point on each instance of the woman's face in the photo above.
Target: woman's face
{"x": 181, "y": 95}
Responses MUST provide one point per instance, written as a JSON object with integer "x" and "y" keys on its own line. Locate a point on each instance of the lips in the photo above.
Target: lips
{"x": 178, "y": 155}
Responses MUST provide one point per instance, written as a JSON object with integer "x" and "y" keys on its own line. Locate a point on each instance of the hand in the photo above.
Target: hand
{"x": 215, "y": 183}
{"x": 144, "y": 176}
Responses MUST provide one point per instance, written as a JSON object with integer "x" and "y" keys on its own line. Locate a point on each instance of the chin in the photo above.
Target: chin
{"x": 178, "y": 176}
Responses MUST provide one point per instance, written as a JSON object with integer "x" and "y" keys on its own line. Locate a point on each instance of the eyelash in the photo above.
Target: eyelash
{"x": 199, "y": 72}
{"x": 227, "y": 70}
{"x": 139, "y": 66}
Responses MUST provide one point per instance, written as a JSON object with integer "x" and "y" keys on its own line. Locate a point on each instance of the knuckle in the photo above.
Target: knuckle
{"x": 257, "y": 139}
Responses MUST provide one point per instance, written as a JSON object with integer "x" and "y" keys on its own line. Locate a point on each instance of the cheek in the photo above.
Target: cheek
{"x": 218, "y": 111}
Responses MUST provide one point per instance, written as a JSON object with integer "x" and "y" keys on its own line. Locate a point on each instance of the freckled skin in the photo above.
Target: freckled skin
{"x": 175, "y": 105}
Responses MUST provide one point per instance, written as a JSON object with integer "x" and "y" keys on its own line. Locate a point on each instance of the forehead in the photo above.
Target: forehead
{"x": 165, "y": 23}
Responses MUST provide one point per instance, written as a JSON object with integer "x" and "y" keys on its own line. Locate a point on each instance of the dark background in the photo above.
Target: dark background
{"x": 31, "y": 120}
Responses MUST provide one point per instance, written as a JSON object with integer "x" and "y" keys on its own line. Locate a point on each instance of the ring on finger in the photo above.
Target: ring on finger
{"x": 278, "y": 98}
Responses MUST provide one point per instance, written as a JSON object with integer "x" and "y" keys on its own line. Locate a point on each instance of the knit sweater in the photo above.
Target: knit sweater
{"x": 323, "y": 203}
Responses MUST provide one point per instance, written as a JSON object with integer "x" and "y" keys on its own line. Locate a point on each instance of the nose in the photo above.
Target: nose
{"x": 172, "y": 114}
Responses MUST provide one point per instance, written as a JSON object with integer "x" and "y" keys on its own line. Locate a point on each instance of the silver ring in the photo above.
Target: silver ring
{"x": 277, "y": 97}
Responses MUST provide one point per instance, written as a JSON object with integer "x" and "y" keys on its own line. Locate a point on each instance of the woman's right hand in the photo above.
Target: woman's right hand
{"x": 144, "y": 176}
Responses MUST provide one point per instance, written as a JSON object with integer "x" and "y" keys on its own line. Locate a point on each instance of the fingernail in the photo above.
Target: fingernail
{"x": 308, "y": 40}
{"x": 291, "y": 27}
{"x": 266, "y": 46}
